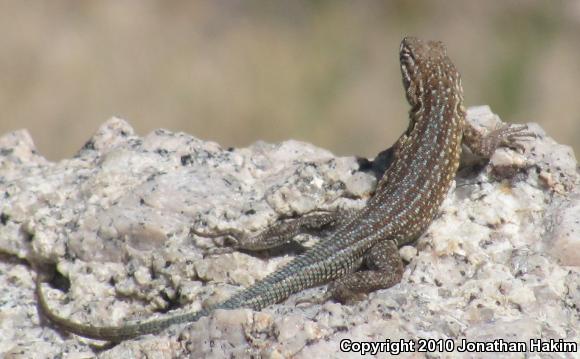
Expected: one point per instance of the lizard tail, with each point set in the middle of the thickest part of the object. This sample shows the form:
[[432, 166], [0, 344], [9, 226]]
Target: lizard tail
[[113, 333]]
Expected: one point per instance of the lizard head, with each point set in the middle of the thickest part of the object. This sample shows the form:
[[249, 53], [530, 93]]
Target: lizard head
[[426, 67]]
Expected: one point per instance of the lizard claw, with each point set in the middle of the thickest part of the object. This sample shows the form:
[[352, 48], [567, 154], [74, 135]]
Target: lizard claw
[[338, 294], [315, 299], [508, 135], [232, 239], [220, 250]]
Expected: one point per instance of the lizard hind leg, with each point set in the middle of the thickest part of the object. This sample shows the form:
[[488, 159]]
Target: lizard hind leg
[[281, 232], [384, 270]]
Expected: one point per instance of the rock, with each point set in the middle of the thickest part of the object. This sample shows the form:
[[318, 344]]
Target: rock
[[502, 261]]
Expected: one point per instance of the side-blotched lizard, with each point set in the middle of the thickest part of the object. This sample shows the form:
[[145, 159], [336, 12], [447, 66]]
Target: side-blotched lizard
[[423, 166]]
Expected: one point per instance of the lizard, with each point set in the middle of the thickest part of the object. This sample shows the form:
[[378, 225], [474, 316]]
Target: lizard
[[361, 255]]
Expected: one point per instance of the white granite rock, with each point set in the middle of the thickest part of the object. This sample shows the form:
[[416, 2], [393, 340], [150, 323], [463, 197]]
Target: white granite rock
[[501, 261]]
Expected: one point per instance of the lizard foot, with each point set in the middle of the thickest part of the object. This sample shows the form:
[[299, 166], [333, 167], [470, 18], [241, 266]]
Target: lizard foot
[[232, 239], [315, 299], [508, 135]]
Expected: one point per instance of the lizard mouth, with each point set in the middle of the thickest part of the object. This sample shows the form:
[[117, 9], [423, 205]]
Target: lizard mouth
[[406, 65], [408, 61], [409, 69]]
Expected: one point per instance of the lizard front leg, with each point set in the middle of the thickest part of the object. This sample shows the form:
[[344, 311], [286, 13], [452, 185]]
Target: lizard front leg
[[485, 145]]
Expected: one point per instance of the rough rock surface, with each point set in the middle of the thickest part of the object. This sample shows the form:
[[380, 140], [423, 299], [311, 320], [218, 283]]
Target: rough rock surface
[[501, 261]]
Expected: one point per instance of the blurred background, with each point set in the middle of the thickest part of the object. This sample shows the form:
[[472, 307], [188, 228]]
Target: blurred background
[[235, 72]]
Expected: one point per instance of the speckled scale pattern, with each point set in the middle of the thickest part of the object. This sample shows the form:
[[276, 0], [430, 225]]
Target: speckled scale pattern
[[407, 198]]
